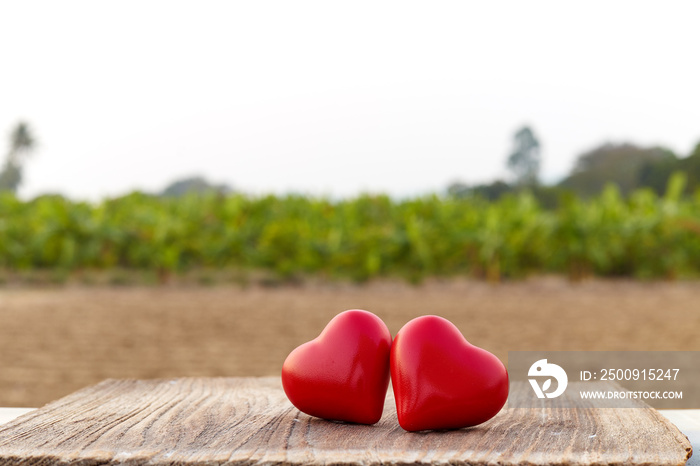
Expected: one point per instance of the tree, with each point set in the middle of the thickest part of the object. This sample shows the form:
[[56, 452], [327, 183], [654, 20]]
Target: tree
[[656, 173], [524, 161], [195, 184], [491, 191], [691, 166], [628, 166], [21, 144]]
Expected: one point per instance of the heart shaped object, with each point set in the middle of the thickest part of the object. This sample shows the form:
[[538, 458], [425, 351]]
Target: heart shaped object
[[440, 380], [343, 374]]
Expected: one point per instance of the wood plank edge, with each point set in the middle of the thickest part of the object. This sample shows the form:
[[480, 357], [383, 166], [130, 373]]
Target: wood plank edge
[[679, 436]]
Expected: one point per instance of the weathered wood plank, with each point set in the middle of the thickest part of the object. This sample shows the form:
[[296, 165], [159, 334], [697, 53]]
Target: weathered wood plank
[[688, 422], [249, 420]]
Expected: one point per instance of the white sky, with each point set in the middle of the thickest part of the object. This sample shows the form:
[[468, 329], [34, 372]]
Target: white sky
[[337, 97]]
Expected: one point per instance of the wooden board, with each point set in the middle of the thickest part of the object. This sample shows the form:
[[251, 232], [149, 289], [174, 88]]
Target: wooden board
[[249, 420]]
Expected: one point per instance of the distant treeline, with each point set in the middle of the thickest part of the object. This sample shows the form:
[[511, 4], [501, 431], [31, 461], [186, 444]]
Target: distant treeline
[[640, 235], [628, 166]]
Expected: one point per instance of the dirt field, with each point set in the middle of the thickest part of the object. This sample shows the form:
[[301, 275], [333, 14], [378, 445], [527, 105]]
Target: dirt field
[[54, 341]]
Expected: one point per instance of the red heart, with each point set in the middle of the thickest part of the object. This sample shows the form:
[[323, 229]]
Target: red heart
[[343, 374], [440, 380]]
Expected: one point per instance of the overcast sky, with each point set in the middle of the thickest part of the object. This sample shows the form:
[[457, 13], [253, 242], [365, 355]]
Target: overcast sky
[[333, 97]]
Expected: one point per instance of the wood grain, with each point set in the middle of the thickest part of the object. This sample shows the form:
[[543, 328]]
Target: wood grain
[[198, 421]]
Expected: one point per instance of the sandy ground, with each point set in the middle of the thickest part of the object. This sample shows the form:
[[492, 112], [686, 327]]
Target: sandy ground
[[54, 341]]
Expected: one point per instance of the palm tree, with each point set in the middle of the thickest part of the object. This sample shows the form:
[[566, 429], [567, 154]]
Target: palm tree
[[21, 144]]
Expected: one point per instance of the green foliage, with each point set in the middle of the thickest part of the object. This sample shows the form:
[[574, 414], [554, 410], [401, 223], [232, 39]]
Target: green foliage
[[547, 196], [628, 166], [643, 235], [491, 191], [691, 166]]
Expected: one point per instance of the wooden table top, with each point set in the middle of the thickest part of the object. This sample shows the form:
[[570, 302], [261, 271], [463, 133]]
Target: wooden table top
[[237, 420]]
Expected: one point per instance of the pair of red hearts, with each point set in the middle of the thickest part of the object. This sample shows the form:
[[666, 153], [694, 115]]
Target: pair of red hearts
[[440, 380]]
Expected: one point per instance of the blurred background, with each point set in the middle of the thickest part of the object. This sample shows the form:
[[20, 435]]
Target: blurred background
[[196, 189]]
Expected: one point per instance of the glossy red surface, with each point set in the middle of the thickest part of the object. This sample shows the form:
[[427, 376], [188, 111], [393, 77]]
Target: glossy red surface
[[440, 380], [343, 374]]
